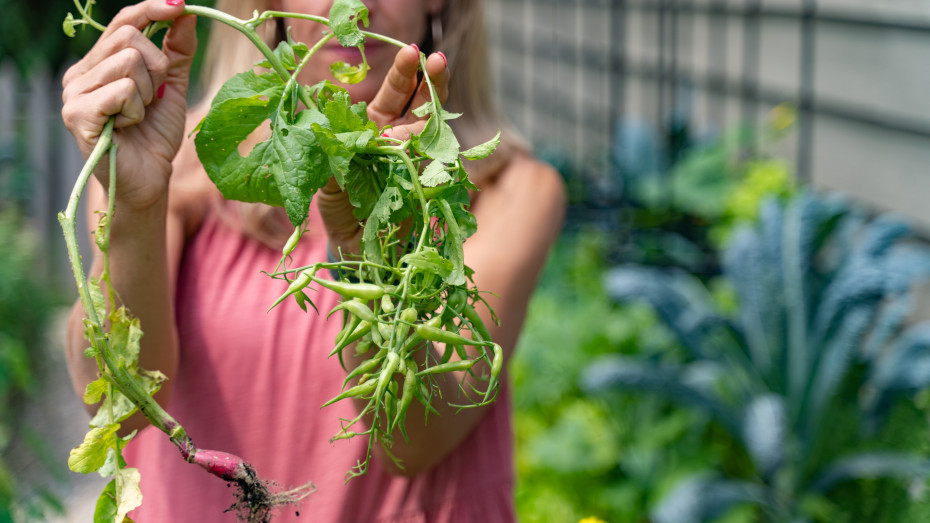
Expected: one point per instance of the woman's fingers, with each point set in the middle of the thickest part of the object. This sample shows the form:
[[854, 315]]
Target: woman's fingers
[[179, 46], [125, 31], [437, 68], [125, 72], [144, 13], [127, 63], [398, 86]]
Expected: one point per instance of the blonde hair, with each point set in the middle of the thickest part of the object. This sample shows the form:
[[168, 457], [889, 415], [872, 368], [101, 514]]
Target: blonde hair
[[463, 42]]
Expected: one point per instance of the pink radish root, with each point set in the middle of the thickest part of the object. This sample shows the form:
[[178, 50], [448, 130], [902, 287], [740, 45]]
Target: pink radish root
[[256, 499]]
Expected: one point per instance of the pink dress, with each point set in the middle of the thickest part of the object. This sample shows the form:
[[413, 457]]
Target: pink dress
[[251, 383]]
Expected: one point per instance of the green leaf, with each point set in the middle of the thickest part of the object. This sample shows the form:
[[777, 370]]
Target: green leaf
[[344, 116], [429, 260], [356, 141], [125, 335], [92, 453], [105, 511], [241, 105], [390, 200], [429, 108], [437, 141], [344, 17], [68, 25], [109, 467], [452, 246], [130, 494], [349, 74], [299, 168], [484, 150], [435, 174], [96, 297], [363, 189], [95, 391], [871, 465], [702, 498], [119, 405]]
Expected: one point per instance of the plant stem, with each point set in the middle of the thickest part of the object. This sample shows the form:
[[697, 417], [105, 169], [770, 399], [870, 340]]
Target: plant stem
[[85, 16], [121, 378]]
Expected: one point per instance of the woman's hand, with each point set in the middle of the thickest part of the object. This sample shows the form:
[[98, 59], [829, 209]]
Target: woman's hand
[[126, 75], [387, 109]]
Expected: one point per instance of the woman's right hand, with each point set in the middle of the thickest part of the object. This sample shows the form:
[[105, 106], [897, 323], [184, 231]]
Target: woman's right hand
[[126, 75]]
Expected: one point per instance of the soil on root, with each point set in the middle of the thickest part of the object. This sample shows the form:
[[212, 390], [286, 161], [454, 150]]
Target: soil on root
[[258, 500]]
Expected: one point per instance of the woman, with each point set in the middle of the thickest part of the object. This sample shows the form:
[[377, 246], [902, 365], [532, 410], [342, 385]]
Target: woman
[[188, 263]]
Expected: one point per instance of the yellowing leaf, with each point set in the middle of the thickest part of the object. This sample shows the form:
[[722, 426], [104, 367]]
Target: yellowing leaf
[[68, 25], [95, 391], [92, 453], [130, 494], [349, 74]]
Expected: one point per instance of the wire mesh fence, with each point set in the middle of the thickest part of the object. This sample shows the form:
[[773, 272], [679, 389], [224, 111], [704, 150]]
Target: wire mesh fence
[[577, 75]]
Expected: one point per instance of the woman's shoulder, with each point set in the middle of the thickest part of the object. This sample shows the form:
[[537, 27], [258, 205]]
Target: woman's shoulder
[[527, 175], [191, 193]]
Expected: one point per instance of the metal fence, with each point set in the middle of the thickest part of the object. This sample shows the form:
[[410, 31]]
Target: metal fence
[[570, 71]]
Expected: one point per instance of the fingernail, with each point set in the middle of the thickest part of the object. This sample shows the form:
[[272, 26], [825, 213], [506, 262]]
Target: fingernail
[[444, 59], [174, 2], [161, 88], [415, 46]]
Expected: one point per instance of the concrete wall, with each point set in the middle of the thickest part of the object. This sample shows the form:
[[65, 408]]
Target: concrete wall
[[869, 133]]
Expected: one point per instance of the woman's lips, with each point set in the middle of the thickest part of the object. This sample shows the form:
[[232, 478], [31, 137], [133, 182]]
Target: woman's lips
[[352, 54]]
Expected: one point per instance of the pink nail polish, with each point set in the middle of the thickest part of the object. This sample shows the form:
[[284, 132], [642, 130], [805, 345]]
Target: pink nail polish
[[415, 46], [174, 2], [161, 91], [444, 59]]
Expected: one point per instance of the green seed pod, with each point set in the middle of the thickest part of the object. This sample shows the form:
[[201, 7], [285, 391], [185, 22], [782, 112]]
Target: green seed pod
[[452, 366], [497, 364], [409, 315], [301, 281], [387, 305], [364, 367], [457, 299], [291, 243], [410, 384], [387, 370], [357, 308], [428, 332], [361, 328], [376, 335], [387, 331], [363, 291], [363, 345], [477, 325], [390, 401], [360, 390]]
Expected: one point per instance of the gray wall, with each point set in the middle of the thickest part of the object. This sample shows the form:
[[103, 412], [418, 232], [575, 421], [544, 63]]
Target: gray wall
[[567, 69]]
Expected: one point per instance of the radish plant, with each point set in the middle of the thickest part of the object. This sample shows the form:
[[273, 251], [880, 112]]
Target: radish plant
[[405, 289]]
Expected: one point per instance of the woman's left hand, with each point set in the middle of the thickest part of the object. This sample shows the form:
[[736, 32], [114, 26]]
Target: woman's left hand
[[387, 109]]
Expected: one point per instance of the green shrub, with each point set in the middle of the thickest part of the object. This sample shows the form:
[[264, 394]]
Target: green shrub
[[809, 380]]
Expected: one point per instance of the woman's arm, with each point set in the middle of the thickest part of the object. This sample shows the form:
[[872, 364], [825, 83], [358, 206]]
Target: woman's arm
[[125, 75]]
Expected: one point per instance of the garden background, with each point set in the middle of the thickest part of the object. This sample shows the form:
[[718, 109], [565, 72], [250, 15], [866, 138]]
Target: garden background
[[732, 326]]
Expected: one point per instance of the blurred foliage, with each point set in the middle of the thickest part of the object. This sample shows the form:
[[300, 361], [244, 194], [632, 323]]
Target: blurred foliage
[[719, 437], [810, 380], [672, 198], [31, 33], [24, 314]]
